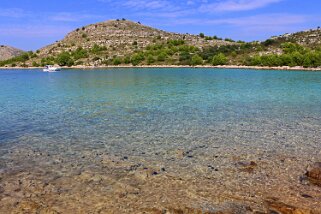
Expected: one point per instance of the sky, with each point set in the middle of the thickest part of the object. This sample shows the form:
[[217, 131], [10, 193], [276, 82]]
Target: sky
[[32, 24]]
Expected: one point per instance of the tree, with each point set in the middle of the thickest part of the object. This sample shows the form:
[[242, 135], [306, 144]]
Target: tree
[[297, 58], [255, 61], [268, 42], [162, 57], [96, 49], [79, 53], [175, 42], [202, 35], [64, 59], [117, 61], [35, 64], [150, 59], [196, 60], [219, 59], [229, 40], [271, 60], [289, 47], [127, 60], [184, 58], [137, 58]]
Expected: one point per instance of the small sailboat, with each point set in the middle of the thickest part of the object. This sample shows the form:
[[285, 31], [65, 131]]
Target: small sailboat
[[51, 68]]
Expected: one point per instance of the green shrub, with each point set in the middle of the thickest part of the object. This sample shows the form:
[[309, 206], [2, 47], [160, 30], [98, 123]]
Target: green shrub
[[64, 59], [137, 58], [289, 47], [150, 59], [229, 40], [196, 60], [117, 61], [175, 42], [127, 60], [219, 59], [18, 59], [35, 64], [184, 58], [79, 53], [162, 57]]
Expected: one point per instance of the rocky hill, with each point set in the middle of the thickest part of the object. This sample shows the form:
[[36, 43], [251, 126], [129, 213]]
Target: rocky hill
[[7, 52], [309, 38], [122, 42], [118, 36]]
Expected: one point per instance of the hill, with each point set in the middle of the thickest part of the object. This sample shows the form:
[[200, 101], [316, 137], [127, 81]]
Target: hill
[[309, 38], [122, 42], [95, 44], [7, 52]]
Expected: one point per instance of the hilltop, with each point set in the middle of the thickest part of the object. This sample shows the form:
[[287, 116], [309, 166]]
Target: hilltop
[[123, 42], [7, 52], [309, 38]]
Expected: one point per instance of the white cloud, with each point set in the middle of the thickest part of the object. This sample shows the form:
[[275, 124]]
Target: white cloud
[[72, 17], [12, 13], [34, 31], [236, 5], [249, 21], [145, 4]]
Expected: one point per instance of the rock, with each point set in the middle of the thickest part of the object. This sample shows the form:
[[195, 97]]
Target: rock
[[314, 174], [306, 196], [180, 154], [247, 166], [277, 207]]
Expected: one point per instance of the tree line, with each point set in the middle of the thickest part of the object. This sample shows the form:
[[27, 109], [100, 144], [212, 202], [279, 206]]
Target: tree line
[[177, 52]]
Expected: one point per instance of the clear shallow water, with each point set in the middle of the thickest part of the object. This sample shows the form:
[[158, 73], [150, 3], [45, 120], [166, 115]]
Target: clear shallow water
[[75, 139], [91, 105]]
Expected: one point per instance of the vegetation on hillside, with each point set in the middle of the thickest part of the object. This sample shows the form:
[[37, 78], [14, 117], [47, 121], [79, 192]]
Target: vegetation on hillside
[[293, 55], [88, 46], [176, 52], [21, 59]]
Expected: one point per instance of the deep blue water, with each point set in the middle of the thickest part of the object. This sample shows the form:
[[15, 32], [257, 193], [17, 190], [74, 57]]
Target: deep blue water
[[121, 107]]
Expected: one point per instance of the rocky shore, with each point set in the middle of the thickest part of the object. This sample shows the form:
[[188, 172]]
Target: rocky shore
[[288, 68], [52, 178]]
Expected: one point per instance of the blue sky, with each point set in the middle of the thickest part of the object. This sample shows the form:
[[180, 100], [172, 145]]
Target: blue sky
[[31, 24]]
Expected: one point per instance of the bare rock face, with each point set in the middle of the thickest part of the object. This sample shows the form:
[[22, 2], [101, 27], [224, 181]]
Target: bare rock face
[[7, 52], [314, 174]]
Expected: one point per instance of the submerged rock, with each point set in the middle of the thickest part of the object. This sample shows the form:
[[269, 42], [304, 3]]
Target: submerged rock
[[277, 207], [247, 166], [314, 174]]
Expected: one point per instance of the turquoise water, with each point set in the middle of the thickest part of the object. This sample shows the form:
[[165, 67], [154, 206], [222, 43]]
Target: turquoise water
[[133, 110], [123, 140]]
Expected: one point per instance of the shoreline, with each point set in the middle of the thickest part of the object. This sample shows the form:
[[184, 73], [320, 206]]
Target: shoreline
[[283, 68]]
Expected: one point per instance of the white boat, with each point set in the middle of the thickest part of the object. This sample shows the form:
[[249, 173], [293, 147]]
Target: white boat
[[51, 68]]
